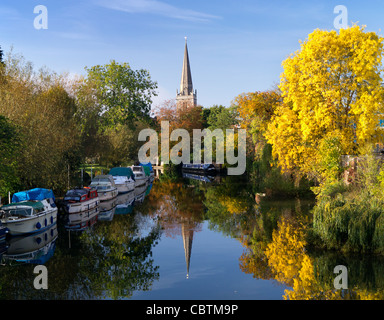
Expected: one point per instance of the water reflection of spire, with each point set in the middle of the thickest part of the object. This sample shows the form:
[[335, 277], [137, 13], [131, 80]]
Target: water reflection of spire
[[187, 233]]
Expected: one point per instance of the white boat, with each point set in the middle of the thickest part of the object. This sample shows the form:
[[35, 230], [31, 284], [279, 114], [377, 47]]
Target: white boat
[[141, 177], [78, 218], [124, 179], [81, 199], [30, 212], [105, 186]]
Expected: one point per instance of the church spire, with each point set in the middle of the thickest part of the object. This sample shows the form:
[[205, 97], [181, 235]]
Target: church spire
[[186, 86], [186, 94]]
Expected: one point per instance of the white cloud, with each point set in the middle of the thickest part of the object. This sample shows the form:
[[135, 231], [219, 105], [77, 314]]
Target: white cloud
[[156, 7]]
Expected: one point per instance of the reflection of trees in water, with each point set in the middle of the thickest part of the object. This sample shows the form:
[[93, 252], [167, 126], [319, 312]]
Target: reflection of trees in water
[[274, 234], [177, 207], [123, 264], [286, 259], [107, 261]]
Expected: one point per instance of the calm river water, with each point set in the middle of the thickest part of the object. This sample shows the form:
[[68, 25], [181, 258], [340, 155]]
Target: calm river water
[[189, 239]]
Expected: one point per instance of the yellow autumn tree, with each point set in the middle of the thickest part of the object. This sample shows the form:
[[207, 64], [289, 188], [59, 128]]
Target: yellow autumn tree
[[255, 110], [332, 86]]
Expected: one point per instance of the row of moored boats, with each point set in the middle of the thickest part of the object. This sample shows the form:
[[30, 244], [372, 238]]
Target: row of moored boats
[[35, 210]]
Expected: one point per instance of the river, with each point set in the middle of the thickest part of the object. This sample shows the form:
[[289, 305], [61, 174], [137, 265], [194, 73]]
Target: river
[[187, 239]]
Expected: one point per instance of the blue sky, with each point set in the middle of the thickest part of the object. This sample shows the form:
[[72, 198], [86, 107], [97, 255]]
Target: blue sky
[[234, 46]]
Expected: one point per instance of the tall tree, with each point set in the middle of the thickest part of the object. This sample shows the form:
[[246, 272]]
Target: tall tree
[[221, 117], [332, 87], [123, 94], [10, 148]]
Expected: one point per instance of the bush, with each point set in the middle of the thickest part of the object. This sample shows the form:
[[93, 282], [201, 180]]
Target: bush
[[353, 224]]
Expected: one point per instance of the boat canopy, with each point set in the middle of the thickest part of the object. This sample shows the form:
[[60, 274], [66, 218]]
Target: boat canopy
[[33, 194], [122, 171], [39, 206]]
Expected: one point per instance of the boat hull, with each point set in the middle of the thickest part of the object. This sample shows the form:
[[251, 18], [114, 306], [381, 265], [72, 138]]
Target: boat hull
[[125, 187], [140, 182], [82, 206], [34, 224], [106, 195]]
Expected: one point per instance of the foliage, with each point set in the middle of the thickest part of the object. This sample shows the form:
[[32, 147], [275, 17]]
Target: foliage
[[10, 148], [122, 94], [350, 218], [63, 121], [41, 108], [256, 110], [180, 117], [222, 118], [331, 87]]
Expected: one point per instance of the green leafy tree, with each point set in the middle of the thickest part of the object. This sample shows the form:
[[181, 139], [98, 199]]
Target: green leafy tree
[[221, 117], [9, 146], [122, 94]]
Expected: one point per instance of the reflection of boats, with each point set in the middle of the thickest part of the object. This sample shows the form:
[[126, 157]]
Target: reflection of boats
[[124, 203], [77, 200], [79, 217], [124, 179], [86, 222], [140, 193], [199, 177], [3, 232], [35, 248], [207, 168], [105, 186], [141, 175], [30, 211], [107, 210]]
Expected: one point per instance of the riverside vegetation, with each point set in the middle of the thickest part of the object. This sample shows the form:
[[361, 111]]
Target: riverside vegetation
[[326, 105]]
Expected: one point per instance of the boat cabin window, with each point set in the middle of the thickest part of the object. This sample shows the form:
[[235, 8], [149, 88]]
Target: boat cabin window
[[83, 198], [103, 187], [72, 198], [101, 184], [24, 212]]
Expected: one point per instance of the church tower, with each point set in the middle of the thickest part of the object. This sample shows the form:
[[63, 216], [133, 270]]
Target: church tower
[[186, 96]]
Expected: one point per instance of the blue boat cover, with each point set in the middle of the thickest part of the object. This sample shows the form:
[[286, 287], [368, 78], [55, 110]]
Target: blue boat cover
[[33, 194], [147, 165]]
